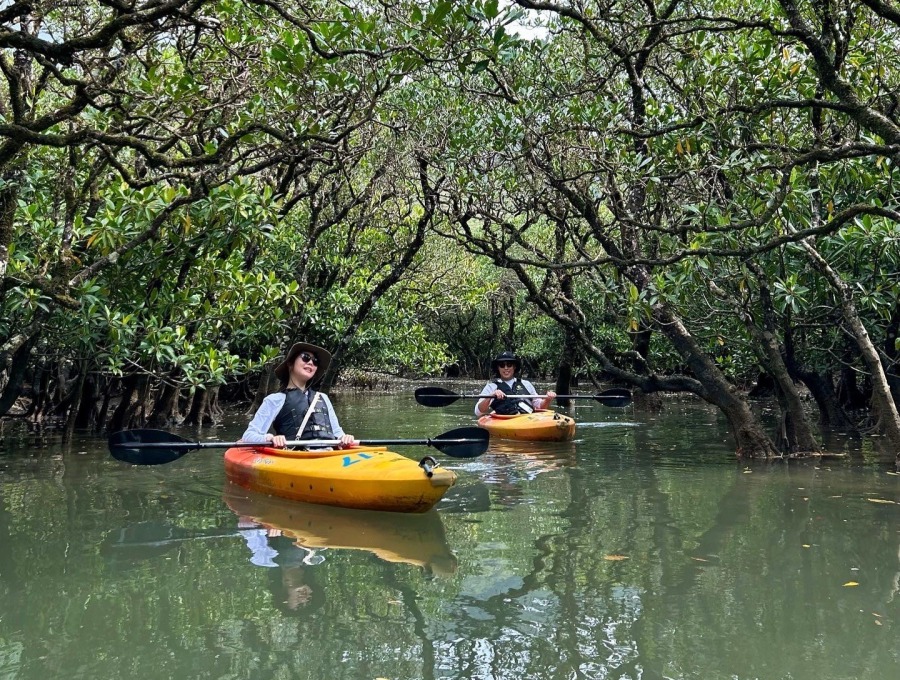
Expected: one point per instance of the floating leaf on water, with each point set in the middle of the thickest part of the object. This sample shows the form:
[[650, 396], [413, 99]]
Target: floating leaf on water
[[850, 584], [615, 558]]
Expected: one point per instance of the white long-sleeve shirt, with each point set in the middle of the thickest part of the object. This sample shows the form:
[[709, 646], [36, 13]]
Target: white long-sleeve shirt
[[262, 554], [264, 417], [491, 387]]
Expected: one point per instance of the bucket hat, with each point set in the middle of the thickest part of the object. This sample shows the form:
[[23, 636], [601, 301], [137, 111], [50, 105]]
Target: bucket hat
[[324, 356]]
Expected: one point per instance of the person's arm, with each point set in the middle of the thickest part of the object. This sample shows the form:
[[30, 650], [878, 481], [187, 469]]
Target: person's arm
[[346, 439], [257, 431], [483, 406], [539, 402]]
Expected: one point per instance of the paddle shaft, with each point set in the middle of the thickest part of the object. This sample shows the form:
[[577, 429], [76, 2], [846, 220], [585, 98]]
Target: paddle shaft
[[542, 396], [165, 542], [524, 396], [188, 445], [439, 397]]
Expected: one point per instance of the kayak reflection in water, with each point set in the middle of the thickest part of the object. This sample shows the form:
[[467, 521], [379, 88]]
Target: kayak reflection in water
[[262, 544], [417, 539], [507, 382], [297, 411]]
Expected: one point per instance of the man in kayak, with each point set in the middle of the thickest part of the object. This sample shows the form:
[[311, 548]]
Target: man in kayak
[[506, 368], [297, 411]]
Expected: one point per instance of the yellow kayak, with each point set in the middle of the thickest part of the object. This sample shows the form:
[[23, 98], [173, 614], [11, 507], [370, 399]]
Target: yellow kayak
[[540, 426], [412, 539], [366, 477]]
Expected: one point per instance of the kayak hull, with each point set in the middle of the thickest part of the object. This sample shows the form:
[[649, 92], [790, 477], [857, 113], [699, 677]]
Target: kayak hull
[[540, 426], [369, 478]]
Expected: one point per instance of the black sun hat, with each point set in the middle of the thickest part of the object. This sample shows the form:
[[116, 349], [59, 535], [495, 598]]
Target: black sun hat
[[506, 356], [324, 356]]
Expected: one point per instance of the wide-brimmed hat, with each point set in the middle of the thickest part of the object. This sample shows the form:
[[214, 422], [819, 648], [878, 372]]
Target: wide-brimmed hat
[[282, 369], [506, 356]]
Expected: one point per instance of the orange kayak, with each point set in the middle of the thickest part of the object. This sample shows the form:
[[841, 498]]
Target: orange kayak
[[417, 539], [540, 426], [366, 477]]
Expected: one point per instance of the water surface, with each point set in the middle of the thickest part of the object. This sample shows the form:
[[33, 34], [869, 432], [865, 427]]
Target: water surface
[[641, 550]]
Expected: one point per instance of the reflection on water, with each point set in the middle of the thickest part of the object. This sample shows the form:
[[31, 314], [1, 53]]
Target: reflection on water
[[640, 550], [470, 496], [149, 540], [605, 423], [561, 452], [509, 465], [416, 539]]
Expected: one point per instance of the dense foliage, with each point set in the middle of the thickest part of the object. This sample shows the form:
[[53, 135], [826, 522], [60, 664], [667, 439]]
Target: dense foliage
[[680, 196]]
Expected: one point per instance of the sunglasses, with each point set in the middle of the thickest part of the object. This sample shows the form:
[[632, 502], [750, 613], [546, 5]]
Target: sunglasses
[[505, 364], [308, 358]]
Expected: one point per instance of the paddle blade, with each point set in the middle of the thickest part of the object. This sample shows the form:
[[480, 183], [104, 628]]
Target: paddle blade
[[435, 396], [614, 398], [148, 447], [463, 442]]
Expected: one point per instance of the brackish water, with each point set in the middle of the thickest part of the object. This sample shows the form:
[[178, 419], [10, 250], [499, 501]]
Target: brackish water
[[641, 550]]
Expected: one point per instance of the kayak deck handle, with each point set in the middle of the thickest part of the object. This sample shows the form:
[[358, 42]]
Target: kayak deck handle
[[428, 464]]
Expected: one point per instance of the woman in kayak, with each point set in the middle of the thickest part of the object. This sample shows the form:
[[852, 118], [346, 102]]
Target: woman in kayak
[[506, 367], [297, 411]]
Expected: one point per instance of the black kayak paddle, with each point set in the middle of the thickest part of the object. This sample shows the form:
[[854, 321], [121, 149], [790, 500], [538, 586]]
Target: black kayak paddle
[[616, 397], [156, 447]]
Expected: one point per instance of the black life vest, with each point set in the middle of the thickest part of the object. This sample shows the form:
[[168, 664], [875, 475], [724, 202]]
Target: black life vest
[[292, 413], [509, 407]]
